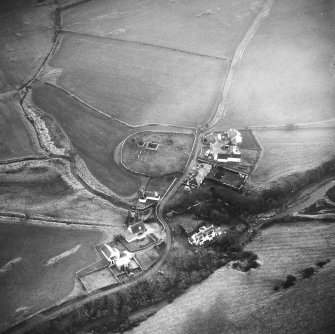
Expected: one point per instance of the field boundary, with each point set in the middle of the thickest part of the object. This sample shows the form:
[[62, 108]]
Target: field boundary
[[158, 131], [76, 98], [69, 31]]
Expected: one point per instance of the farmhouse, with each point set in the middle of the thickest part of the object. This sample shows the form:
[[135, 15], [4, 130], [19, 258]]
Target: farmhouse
[[137, 228], [121, 260], [204, 234], [134, 224], [233, 136]]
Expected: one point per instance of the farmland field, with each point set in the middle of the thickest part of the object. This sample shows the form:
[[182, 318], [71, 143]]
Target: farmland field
[[93, 136], [230, 301], [32, 284], [15, 139], [171, 155], [287, 71], [212, 27], [139, 84], [46, 189], [289, 151], [161, 183], [26, 37]]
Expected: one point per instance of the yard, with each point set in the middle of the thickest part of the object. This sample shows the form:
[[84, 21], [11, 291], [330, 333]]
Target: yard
[[286, 74], [284, 151], [27, 32], [139, 84], [16, 141], [98, 279], [94, 136], [147, 258], [212, 27], [170, 156]]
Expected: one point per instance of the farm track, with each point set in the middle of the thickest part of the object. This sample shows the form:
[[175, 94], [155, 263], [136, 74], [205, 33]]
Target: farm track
[[216, 122], [141, 43]]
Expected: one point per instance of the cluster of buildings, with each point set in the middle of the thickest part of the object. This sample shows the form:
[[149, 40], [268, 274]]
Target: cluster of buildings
[[197, 176], [121, 259], [205, 234], [225, 147], [149, 195], [219, 148]]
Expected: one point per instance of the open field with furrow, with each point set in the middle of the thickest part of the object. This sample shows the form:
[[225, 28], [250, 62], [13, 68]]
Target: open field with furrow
[[48, 189], [284, 151], [287, 71], [212, 27], [139, 84], [230, 301], [31, 284], [26, 37], [17, 139], [93, 135]]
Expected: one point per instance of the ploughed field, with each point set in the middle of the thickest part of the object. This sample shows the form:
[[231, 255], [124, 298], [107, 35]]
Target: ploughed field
[[287, 73], [234, 302], [139, 84], [38, 266], [286, 151], [16, 138], [212, 27]]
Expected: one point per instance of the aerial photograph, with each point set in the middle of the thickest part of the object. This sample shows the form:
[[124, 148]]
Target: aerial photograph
[[167, 166]]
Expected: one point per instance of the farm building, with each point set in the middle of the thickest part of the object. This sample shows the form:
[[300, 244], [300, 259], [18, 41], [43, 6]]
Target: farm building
[[234, 136], [204, 234], [121, 260], [197, 176], [137, 228], [224, 148], [149, 195], [134, 224]]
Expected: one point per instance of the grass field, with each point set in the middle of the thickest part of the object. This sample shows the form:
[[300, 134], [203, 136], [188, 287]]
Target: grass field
[[48, 189], [93, 136], [26, 37], [212, 27], [15, 139], [287, 72], [230, 301], [139, 84], [170, 157], [30, 283], [161, 183], [289, 151]]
